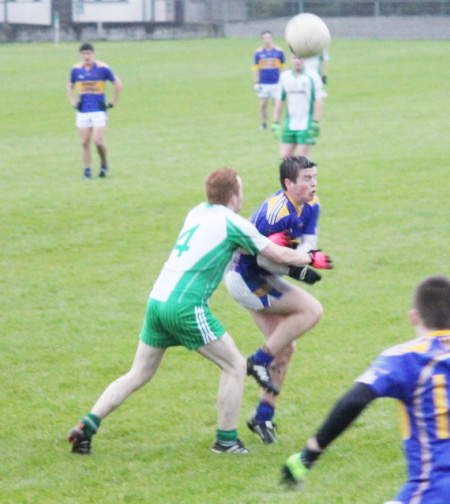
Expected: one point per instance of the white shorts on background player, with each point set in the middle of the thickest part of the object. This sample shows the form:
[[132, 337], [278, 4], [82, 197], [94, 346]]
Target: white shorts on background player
[[91, 119], [267, 91]]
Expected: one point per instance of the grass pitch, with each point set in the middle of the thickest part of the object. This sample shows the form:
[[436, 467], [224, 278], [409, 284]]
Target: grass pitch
[[79, 258]]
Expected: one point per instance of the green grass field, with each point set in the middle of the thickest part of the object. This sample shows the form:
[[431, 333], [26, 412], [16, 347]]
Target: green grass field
[[79, 258]]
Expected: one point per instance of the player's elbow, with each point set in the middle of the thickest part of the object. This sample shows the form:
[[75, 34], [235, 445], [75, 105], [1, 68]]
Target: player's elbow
[[118, 84]]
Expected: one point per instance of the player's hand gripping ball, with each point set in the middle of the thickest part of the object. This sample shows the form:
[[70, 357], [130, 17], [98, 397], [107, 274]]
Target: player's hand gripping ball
[[282, 239], [307, 35], [320, 260]]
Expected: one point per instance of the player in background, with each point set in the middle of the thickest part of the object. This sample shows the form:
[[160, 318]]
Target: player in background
[[304, 96], [178, 314], [86, 91], [318, 64], [268, 63], [282, 311], [417, 374]]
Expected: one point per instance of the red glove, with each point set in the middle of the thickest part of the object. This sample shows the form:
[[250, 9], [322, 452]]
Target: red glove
[[320, 260], [282, 239]]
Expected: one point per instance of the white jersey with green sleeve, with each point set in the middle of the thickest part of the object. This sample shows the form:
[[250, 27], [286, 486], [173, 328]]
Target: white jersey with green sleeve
[[205, 245], [299, 91], [314, 63]]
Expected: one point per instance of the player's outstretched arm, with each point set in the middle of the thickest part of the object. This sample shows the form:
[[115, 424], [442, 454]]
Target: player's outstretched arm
[[347, 409], [301, 273], [285, 255], [292, 257]]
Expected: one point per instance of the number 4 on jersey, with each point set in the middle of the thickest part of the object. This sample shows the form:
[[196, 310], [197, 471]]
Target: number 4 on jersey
[[183, 240]]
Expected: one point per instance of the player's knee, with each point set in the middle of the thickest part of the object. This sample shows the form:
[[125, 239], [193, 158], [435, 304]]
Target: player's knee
[[140, 375], [316, 312], [239, 367]]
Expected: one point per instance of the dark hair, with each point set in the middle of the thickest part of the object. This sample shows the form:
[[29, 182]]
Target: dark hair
[[432, 301], [221, 185], [291, 166], [86, 46], [266, 31]]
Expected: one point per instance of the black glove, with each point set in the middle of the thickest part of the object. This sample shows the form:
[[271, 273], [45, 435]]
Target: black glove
[[324, 79], [304, 274], [103, 106], [77, 106]]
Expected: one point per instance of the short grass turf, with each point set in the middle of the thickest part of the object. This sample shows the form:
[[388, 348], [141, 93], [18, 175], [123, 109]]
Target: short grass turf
[[79, 258]]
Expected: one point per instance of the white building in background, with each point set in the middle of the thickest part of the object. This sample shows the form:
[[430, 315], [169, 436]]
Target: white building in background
[[26, 12], [42, 12], [127, 11]]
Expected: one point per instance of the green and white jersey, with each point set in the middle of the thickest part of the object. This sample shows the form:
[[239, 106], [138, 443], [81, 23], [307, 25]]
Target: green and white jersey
[[205, 245], [299, 91], [314, 63]]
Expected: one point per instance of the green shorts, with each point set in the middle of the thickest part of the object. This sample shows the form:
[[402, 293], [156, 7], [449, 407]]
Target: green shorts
[[299, 137], [171, 324]]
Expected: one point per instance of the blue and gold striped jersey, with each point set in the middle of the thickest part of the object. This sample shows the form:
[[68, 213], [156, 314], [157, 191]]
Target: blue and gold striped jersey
[[269, 62], [417, 373], [280, 213], [91, 84]]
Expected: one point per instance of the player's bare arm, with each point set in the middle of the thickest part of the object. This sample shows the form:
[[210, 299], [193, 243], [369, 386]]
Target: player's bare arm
[[71, 94], [285, 255], [277, 109], [318, 109], [117, 89]]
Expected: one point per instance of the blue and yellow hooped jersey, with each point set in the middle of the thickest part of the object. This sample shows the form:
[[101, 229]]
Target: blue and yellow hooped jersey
[[90, 84], [269, 63], [280, 213], [417, 373]]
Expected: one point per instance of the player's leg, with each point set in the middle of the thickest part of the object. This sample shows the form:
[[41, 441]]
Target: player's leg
[[286, 318], [99, 140], [85, 137], [300, 310], [288, 143], [224, 353], [304, 143], [287, 149], [263, 105], [260, 421], [146, 362], [267, 323], [303, 150]]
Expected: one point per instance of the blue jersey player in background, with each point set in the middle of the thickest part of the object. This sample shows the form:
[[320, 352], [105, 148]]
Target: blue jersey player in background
[[416, 373], [86, 90], [282, 311], [267, 64]]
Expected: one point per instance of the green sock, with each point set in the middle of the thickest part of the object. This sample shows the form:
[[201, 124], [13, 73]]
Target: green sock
[[92, 424], [227, 436]]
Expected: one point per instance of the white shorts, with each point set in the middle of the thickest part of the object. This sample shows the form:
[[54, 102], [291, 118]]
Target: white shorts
[[257, 299], [91, 119], [267, 91]]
